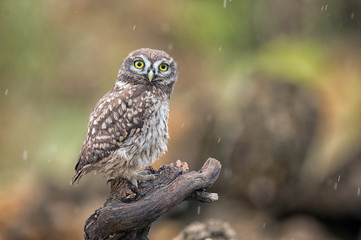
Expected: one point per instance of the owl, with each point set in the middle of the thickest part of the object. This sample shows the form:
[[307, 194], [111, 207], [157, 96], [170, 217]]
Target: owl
[[128, 128]]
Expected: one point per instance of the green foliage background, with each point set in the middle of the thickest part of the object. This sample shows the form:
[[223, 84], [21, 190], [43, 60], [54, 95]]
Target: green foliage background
[[57, 58]]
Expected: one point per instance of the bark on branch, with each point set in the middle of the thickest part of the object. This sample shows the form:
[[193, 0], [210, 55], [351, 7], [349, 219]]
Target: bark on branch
[[128, 213]]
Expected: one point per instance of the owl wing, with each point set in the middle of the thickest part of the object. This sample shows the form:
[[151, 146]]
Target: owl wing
[[116, 117]]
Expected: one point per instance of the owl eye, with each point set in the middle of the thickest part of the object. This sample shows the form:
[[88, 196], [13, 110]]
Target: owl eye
[[163, 67], [139, 64]]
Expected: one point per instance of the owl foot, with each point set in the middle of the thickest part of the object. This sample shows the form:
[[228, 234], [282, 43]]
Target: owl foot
[[141, 177], [110, 180]]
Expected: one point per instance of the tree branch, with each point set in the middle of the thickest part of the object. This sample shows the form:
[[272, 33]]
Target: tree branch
[[128, 212]]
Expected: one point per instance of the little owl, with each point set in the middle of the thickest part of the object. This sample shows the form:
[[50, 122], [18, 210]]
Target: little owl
[[128, 129]]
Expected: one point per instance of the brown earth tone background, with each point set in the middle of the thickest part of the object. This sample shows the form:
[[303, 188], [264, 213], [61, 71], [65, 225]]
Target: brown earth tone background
[[272, 89]]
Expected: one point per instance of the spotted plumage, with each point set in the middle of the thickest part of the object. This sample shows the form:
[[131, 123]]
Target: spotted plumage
[[128, 129]]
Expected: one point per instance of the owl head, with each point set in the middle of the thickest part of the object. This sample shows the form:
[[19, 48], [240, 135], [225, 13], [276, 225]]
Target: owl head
[[149, 67]]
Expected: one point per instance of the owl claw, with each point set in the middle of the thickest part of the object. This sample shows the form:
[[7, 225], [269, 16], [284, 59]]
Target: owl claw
[[134, 183], [145, 177], [110, 180], [142, 177]]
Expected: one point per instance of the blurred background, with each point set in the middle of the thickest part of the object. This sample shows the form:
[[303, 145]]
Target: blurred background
[[272, 89]]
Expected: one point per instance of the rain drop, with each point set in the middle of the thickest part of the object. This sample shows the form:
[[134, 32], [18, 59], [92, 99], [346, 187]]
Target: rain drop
[[198, 210], [228, 172], [326, 7], [6, 92], [25, 155], [358, 191], [339, 178], [352, 15], [264, 225], [219, 139], [220, 49], [224, 3], [134, 27], [182, 126], [76, 209], [170, 47], [335, 185], [209, 117], [165, 27]]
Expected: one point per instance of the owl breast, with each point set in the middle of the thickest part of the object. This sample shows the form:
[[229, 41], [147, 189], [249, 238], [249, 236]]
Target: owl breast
[[143, 148], [147, 146]]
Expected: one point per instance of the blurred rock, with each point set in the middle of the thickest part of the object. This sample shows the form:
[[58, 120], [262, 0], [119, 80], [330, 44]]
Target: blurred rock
[[303, 228], [277, 126], [32, 209], [336, 200], [339, 194], [213, 229]]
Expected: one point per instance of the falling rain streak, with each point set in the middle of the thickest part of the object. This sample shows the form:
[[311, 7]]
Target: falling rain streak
[[6, 92], [170, 47], [25, 155], [225, 3], [324, 7]]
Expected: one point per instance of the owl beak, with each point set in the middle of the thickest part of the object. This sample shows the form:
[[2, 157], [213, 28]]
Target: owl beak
[[150, 75]]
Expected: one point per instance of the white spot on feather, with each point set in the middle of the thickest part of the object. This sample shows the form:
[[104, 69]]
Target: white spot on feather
[[123, 107], [132, 132], [108, 120], [116, 116]]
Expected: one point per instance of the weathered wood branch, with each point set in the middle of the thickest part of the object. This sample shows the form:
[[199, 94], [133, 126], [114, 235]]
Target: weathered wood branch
[[128, 212]]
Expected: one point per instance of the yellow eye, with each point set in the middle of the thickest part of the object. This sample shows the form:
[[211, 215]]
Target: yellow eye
[[163, 67], [139, 64]]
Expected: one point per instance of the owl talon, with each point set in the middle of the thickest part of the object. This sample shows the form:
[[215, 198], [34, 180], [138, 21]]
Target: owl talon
[[110, 180], [141, 177], [134, 183], [144, 172], [145, 177]]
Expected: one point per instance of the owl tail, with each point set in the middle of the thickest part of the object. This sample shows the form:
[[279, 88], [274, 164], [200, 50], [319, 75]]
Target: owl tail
[[79, 173], [76, 177]]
